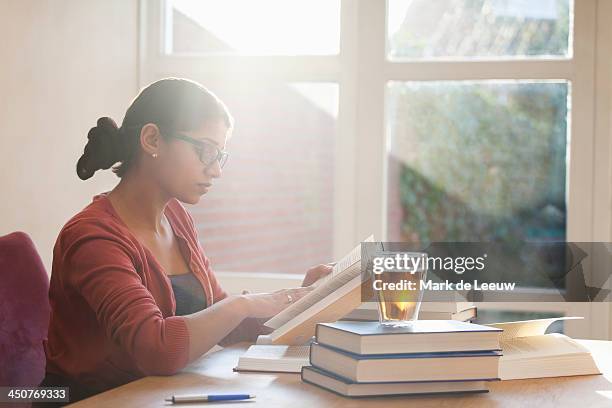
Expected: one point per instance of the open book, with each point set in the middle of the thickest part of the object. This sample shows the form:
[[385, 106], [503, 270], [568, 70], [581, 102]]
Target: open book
[[529, 353], [333, 297]]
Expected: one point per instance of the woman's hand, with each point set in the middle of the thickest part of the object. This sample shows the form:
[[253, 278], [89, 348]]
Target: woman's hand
[[264, 305], [317, 272]]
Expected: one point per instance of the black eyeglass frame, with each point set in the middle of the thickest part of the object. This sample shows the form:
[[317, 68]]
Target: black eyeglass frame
[[221, 155]]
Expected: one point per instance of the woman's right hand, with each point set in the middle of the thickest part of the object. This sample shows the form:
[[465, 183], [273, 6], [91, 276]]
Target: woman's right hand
[[264, 305]]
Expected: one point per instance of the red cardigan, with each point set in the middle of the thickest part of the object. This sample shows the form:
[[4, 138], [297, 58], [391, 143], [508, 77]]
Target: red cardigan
[[112, 306]]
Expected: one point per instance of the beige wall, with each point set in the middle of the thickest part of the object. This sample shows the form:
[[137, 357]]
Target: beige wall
[[64, 64]]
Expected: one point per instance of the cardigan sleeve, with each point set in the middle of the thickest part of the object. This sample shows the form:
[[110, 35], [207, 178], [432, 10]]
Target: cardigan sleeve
[[102, 271]]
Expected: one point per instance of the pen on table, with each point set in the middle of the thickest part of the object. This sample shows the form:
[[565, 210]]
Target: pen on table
[[208, 398]]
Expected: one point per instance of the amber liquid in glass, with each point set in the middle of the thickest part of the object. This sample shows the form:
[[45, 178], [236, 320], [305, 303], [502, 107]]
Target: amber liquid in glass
[[397, 306]]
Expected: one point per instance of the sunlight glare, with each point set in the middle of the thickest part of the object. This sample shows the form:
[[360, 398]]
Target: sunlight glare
[[254, 27]]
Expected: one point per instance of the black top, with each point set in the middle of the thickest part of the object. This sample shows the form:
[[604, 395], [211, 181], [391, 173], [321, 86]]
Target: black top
[[188, 293]]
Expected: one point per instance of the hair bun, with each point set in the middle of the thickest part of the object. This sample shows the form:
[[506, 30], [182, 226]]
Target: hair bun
[[102, 150]]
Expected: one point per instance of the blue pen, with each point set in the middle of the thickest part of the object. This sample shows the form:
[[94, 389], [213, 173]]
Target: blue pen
[[208, 398]]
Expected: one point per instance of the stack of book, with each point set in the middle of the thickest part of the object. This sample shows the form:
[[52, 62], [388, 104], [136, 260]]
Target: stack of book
[[360, 359]]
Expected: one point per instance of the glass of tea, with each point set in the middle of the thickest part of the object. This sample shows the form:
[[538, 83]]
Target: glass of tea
[[399, 290]]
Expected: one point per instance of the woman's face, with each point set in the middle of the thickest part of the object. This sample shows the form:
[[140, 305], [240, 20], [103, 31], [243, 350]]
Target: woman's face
[[181, 172]]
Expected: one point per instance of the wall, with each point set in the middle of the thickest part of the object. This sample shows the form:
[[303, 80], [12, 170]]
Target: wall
[[64, 64]]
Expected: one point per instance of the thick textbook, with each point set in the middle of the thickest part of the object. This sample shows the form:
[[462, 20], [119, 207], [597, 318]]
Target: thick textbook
[[349, 388], [472, 365], [421, 336]]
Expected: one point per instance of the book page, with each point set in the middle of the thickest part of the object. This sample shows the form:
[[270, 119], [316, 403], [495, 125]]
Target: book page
[[318, 294], [343, 272], [350, 259], [526, 328], [344, 264], [278, 352], [545, 345], [301, 328], [274, 358]]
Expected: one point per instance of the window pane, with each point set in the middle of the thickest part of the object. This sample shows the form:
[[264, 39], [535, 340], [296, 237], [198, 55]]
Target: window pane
[[247, 27], [477, 161], [272, 210], [420, 29]]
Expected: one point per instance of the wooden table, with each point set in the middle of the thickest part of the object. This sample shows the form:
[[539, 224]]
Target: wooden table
[[213, 374]]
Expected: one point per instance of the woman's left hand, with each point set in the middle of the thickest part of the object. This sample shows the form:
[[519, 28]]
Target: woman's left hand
[[316, 272]]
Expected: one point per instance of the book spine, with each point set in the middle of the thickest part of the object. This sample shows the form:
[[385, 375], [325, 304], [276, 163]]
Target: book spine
[[310, 353]]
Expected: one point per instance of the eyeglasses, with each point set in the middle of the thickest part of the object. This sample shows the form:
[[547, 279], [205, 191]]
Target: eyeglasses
[[207, 151]]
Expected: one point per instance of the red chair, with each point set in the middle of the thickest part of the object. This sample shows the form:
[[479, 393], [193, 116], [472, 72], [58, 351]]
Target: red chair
[[24, 312]]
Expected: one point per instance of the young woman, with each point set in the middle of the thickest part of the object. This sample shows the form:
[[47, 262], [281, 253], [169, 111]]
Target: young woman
[[132, 292]]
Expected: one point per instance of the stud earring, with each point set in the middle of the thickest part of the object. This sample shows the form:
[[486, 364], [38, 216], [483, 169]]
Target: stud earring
[[154, 155]]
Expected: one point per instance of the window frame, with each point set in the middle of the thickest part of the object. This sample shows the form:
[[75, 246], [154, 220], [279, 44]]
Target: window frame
[[362, 72]]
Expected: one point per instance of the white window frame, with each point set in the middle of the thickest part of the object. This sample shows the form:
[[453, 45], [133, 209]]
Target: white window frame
[[362, 71]]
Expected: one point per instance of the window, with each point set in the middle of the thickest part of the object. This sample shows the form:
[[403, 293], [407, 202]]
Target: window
[[477, 160], [408, 119], [482, 153], [246, 27], [421, 29], [273, 209]]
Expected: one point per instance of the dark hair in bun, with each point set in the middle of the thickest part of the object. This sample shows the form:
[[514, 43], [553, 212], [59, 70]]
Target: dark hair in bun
[[173, 104], [103, 148]]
